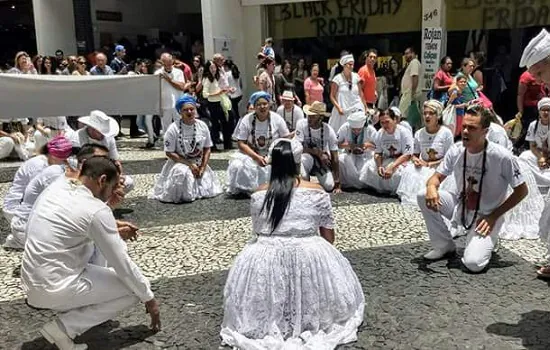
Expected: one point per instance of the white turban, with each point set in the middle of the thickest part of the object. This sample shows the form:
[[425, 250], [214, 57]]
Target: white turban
[[537, 50], [543, 102], [357, 120], [346, 59], [435, 106], [295, 146], [396, 111]]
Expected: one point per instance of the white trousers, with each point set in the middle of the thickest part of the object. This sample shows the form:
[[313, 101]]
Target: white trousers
[[6, 147], [326, 180], [351, 167], [478, 250], [97, 296], [168, 116]]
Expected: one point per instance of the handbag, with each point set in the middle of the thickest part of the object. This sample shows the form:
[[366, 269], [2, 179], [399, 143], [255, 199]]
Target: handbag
[[449, 117], [514, 127]]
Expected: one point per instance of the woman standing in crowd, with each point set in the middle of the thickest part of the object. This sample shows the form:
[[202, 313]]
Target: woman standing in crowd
[[394, 82], [284, 81], [431, 143], [443, 80], [314, 86], [37, 62], [213, 93], [457, 99], [470, 90], [345, 93], [81, 66], [236, 86], [48, 66], [267, 80], [22, 63], [198, 71], [248, 168], [300, 75], [477, 73], [356, 139], [186, 176], [289, 287], [394, 148], [145, 122]]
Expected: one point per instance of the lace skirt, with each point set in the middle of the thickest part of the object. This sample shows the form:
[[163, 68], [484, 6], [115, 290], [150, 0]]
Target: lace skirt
[[523, 220], [244, 175], [351, 168], [413, 180], [291, 293], [371, 178], [176, 184]]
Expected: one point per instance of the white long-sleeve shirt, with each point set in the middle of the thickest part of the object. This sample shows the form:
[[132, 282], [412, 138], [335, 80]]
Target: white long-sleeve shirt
[[66, 224]]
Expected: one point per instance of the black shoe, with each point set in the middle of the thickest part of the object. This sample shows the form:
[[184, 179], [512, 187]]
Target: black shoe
[[148, 145]]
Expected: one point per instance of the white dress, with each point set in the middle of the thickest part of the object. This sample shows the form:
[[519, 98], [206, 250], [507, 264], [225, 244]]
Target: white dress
[[430, 147], [26, 172], [353, 165], [244, 175], [391, 146], [291, 289], [348, 99], [537, 133], [176, 182]]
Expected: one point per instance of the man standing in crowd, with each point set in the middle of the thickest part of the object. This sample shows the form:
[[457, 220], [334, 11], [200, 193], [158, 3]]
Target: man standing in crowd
[[173, 86], [69, 232], [117, 64], [72, 60], [101, 67], [411, 89], [530, 91], [368, 79]]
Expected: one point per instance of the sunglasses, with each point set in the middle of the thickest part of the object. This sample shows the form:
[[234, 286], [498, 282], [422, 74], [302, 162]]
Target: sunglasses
[[81, 62]]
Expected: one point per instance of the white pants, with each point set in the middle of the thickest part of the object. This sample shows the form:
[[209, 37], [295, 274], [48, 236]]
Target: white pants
[[326, 180], [351, 167], [6, 147], [478, 250], [97, 296], [168, 116]]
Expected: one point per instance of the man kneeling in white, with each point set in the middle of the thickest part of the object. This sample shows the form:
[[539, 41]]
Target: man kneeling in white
[[70, 219], [483, 171]]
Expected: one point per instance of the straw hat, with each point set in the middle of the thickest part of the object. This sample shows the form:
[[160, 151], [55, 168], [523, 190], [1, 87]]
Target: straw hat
[[316, 108]]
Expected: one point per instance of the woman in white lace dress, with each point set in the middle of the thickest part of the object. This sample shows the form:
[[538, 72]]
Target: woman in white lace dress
[[186, 175], [290, 288], [248, 168], [430, 145]]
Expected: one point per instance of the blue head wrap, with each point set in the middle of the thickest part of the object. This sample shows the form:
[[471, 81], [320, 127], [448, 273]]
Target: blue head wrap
[[184, 100], [257, 95]]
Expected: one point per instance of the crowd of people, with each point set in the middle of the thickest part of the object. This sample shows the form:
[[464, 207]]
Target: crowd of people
[[289, 287]]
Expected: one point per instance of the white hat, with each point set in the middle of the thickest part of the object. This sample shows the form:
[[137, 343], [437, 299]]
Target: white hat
[[287, 95], [396, 111], [295, 146], [101, 122], [543, 102], [357, 120], [537, 50], [316, 108]]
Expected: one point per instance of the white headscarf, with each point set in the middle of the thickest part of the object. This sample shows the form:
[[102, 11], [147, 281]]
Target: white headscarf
[[543, 102], [295, 146], [537, 50], [346, 59]]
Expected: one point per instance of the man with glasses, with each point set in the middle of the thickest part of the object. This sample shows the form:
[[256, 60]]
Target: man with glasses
[[483, 171]]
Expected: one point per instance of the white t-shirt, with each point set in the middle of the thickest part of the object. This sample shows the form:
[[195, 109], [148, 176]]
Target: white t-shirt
[[311, 138], [26, 172], [63, 231], [345, 135], [498, 135], [406, 124], [433, 147], [396, 144], [502, 170], [413, 69], [234, 83], [291, 118], [81, 137], [57, 123], [169, 94], [194, 139], [264, 132], [540, 136]]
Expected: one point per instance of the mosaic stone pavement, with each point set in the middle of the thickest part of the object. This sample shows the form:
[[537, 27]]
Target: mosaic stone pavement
[[187, 249]]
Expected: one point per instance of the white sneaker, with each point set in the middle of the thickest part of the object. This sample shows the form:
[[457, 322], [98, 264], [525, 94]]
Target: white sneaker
[[436, 254], [55, 335]]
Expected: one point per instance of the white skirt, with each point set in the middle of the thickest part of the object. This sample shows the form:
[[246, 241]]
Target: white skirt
[[291, 293], [176, 184], [371, 178], [542, 177], [244, 175], [351, 168], [413, 180]]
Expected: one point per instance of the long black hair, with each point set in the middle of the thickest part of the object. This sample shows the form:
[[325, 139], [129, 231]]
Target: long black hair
[[284, 172], [207, 74]]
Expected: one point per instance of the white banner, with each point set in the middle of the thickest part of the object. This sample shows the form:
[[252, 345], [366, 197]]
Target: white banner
[[68, 95], [432, 39]]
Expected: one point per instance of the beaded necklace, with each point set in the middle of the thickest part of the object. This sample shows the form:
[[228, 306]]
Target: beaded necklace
[[291, 124], [253, 132], [463, 196], [193, 140], [311, 144]]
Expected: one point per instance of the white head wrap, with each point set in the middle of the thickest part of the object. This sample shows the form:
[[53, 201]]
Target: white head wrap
[[346, 59], [396, 111], [435, 105], [357, 120], [543, 102], [297, 149], [537, 50]]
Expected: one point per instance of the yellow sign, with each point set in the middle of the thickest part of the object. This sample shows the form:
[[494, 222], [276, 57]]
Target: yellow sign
[[496, 14], [344, 18]]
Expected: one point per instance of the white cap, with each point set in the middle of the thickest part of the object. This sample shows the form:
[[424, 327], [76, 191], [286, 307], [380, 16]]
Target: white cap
[[537, 50], [357, 120], [543, 102]]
